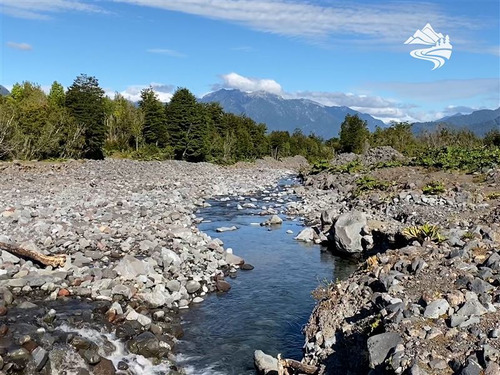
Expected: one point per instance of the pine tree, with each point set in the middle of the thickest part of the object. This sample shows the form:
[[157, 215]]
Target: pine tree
[[154, 131], [354, 134], [85, 102], [187, 126]]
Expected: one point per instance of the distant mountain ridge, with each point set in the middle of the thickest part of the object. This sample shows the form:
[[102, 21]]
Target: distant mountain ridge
[[287, 114], [4, 91], [479, 122]]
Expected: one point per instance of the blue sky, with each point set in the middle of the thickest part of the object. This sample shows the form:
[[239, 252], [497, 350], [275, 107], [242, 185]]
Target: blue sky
[[335, 52]]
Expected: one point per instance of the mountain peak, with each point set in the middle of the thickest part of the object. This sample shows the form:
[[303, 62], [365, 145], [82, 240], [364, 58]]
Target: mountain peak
[[280, 113]]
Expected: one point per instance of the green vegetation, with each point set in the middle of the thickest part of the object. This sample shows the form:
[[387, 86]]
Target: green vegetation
[[434, 188], [468, 236], [493, 196], [473, 159], [354, 166], [426, 232], [368, 183], [83, 122], [354, 135]]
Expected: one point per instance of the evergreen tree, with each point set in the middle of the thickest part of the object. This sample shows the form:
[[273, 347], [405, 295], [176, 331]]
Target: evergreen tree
[[154, 130], [57, 97], [186, 126], [354, 134], [85, 100]]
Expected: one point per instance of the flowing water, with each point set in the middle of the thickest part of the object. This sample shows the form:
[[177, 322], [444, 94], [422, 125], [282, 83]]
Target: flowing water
[[267, 307]]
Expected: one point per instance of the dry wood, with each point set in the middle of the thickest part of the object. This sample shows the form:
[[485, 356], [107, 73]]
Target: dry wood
[[289, 364], [46, 260]]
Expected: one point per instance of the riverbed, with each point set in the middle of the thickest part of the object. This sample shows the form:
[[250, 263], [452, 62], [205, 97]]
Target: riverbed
[[266, 307]]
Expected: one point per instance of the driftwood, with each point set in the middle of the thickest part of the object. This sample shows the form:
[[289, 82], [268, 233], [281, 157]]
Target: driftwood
[[290, 366], [46, 260]]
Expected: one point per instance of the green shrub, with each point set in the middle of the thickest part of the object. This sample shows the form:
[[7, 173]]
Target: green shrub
[[456, 158], [368, 183], [152, 152], [434, 188], [423, 233]]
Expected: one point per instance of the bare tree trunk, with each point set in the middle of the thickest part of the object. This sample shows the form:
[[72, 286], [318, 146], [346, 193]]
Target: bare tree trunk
[[46, 260]]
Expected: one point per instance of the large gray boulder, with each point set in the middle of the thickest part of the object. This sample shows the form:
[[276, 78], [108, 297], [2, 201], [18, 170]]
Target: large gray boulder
[[348, 229], [380, 345], [264, 363]]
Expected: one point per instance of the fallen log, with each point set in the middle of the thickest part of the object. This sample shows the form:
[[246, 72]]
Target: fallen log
[[284, 365], [46, 260]]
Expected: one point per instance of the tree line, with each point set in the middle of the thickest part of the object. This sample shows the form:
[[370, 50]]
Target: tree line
[[81, 122]]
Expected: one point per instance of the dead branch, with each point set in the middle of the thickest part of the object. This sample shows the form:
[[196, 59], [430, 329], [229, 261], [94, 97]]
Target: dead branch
[[46, 260]]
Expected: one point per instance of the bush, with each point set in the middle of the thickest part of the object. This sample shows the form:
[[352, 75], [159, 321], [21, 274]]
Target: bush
[[457, 158], [368, 183], [426, 232], [152, 152], [434, 188]]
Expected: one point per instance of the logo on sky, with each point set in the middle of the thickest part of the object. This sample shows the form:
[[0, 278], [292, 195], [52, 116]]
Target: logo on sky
[[440, 50]]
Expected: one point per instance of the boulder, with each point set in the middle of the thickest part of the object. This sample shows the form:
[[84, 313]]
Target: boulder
[[380, 345], [348, 229], [436, 308], [234, 259], [264, 363], [306, 235]]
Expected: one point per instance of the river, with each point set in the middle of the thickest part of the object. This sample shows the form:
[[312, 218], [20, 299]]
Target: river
[[267, 307]]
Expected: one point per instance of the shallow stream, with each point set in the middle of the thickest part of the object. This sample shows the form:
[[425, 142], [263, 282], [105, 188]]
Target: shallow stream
[[267, 307]]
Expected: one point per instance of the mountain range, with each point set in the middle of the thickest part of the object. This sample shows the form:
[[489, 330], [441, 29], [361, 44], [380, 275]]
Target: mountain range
[[287, 114], [479, 122], [3, 91]]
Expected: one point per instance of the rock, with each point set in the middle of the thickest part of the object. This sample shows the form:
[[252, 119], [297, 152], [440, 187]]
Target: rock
[[273, 220], [173, 285], [380, 345], [436, 308], [197, 300], [129, 268], [193, 286], [146, 344], [471, 307], [104, 367], [222, 285], [19, 357], [27, 305], [226, 229], [306, 235], [264, 363], [234, 259], [348, 229], [90, 356], [247, 267], [40, 357]]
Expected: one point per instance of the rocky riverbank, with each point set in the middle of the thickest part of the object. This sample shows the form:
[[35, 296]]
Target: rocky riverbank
[[428, 302], [134, 257]]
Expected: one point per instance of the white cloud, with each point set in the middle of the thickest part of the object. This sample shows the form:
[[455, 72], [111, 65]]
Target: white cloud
[[236, 81], [133, 93], [20, 46], [450, 89], [169, 52], [388, 23], [41, 9]]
